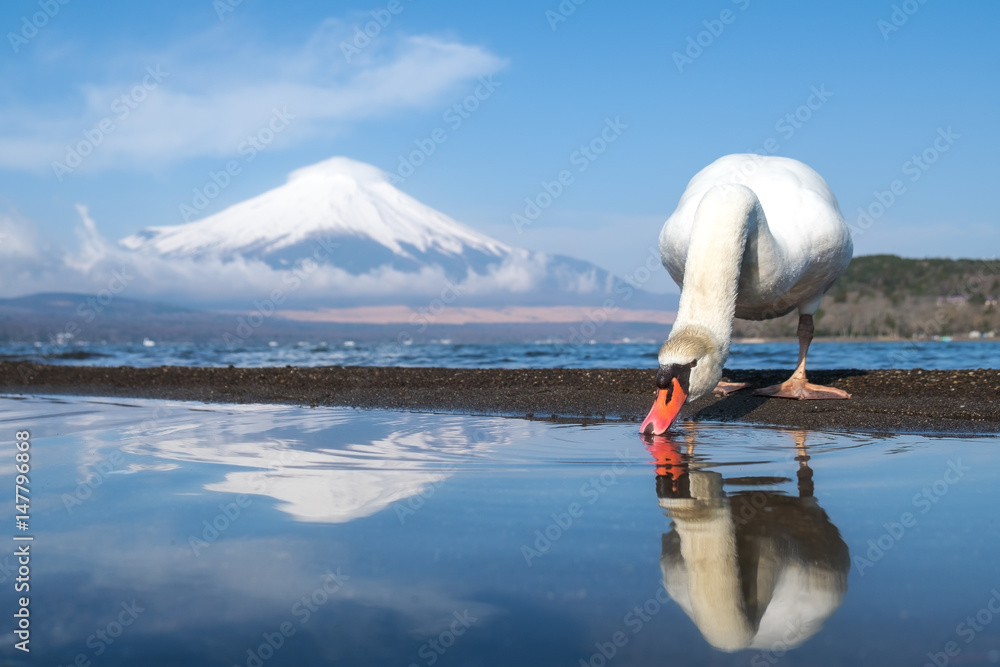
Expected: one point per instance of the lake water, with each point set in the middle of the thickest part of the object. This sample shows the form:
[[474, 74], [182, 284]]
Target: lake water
[[927, 354], [184, 533]]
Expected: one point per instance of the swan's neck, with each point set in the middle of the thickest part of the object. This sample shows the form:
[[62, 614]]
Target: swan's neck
[[709, 549], [725, 219]]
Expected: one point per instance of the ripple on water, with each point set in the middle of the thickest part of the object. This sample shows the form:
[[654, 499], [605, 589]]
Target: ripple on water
[[549, 533]]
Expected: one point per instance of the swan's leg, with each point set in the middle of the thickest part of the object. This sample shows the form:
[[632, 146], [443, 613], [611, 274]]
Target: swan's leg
[[805, 473], [725, 388], [797, 386]]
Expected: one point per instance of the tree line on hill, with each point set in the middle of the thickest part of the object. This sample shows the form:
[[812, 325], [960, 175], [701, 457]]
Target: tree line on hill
[[890, 296]]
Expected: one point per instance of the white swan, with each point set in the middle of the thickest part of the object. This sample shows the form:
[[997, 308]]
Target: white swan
[[753, 237]]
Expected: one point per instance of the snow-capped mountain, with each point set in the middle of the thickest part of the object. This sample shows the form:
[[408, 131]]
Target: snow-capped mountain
[[349, 203], [377, 234]]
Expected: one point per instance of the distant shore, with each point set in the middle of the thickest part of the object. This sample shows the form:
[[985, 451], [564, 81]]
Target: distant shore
[[866, 339], [960, 401]]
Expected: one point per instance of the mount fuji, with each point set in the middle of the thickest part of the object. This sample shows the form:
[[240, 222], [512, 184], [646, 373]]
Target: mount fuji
[[380, 245]]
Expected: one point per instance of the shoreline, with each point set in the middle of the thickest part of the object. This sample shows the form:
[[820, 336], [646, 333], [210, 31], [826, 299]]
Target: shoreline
[[445, 340], [865, 339], [952, 401]]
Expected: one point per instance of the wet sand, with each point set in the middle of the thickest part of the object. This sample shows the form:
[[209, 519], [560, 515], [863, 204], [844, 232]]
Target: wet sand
[[962, 401]]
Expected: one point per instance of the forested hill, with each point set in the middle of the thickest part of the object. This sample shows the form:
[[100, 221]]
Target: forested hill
[[886, 295]]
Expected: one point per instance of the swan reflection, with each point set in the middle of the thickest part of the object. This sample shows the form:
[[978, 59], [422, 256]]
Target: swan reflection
[[753, 568]]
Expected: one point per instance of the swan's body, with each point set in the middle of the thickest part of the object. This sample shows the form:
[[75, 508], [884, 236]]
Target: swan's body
[[791, 259], [753, 237]]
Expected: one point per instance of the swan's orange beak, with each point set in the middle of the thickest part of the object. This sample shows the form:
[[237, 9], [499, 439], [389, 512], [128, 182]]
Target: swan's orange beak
[[665, 409]]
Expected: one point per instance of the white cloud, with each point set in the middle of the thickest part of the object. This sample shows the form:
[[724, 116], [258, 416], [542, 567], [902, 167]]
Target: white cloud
[[17, 240], [199, 99], [627, 246], [96, 265]]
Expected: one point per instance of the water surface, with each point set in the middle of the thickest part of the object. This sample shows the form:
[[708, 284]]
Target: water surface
[[184, 533], [254, 354]]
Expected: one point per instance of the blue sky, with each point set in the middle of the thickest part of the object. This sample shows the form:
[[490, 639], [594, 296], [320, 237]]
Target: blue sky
[[199, 81]]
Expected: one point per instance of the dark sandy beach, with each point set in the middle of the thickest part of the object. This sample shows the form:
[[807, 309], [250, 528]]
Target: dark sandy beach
[[963, 401]]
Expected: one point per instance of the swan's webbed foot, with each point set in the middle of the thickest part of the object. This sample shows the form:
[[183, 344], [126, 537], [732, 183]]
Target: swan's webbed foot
[[726, 388], [801, 389]]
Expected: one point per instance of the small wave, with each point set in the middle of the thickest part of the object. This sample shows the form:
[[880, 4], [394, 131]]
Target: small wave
[[77, 355]]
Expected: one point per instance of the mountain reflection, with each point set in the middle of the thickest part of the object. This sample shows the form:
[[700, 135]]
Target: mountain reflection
[[333, 484], [752, 568]]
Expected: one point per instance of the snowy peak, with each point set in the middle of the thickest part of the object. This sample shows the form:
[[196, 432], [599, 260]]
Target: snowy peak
[[378, 244], [341, 167], [338, 197]]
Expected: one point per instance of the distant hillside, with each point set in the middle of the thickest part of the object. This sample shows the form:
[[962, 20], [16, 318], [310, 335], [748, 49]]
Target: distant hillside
[[896, 278], [878, 296], [65, 318], [886, 295]]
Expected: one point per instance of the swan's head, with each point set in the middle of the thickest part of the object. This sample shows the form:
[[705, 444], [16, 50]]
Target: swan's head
[[690, 367]]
